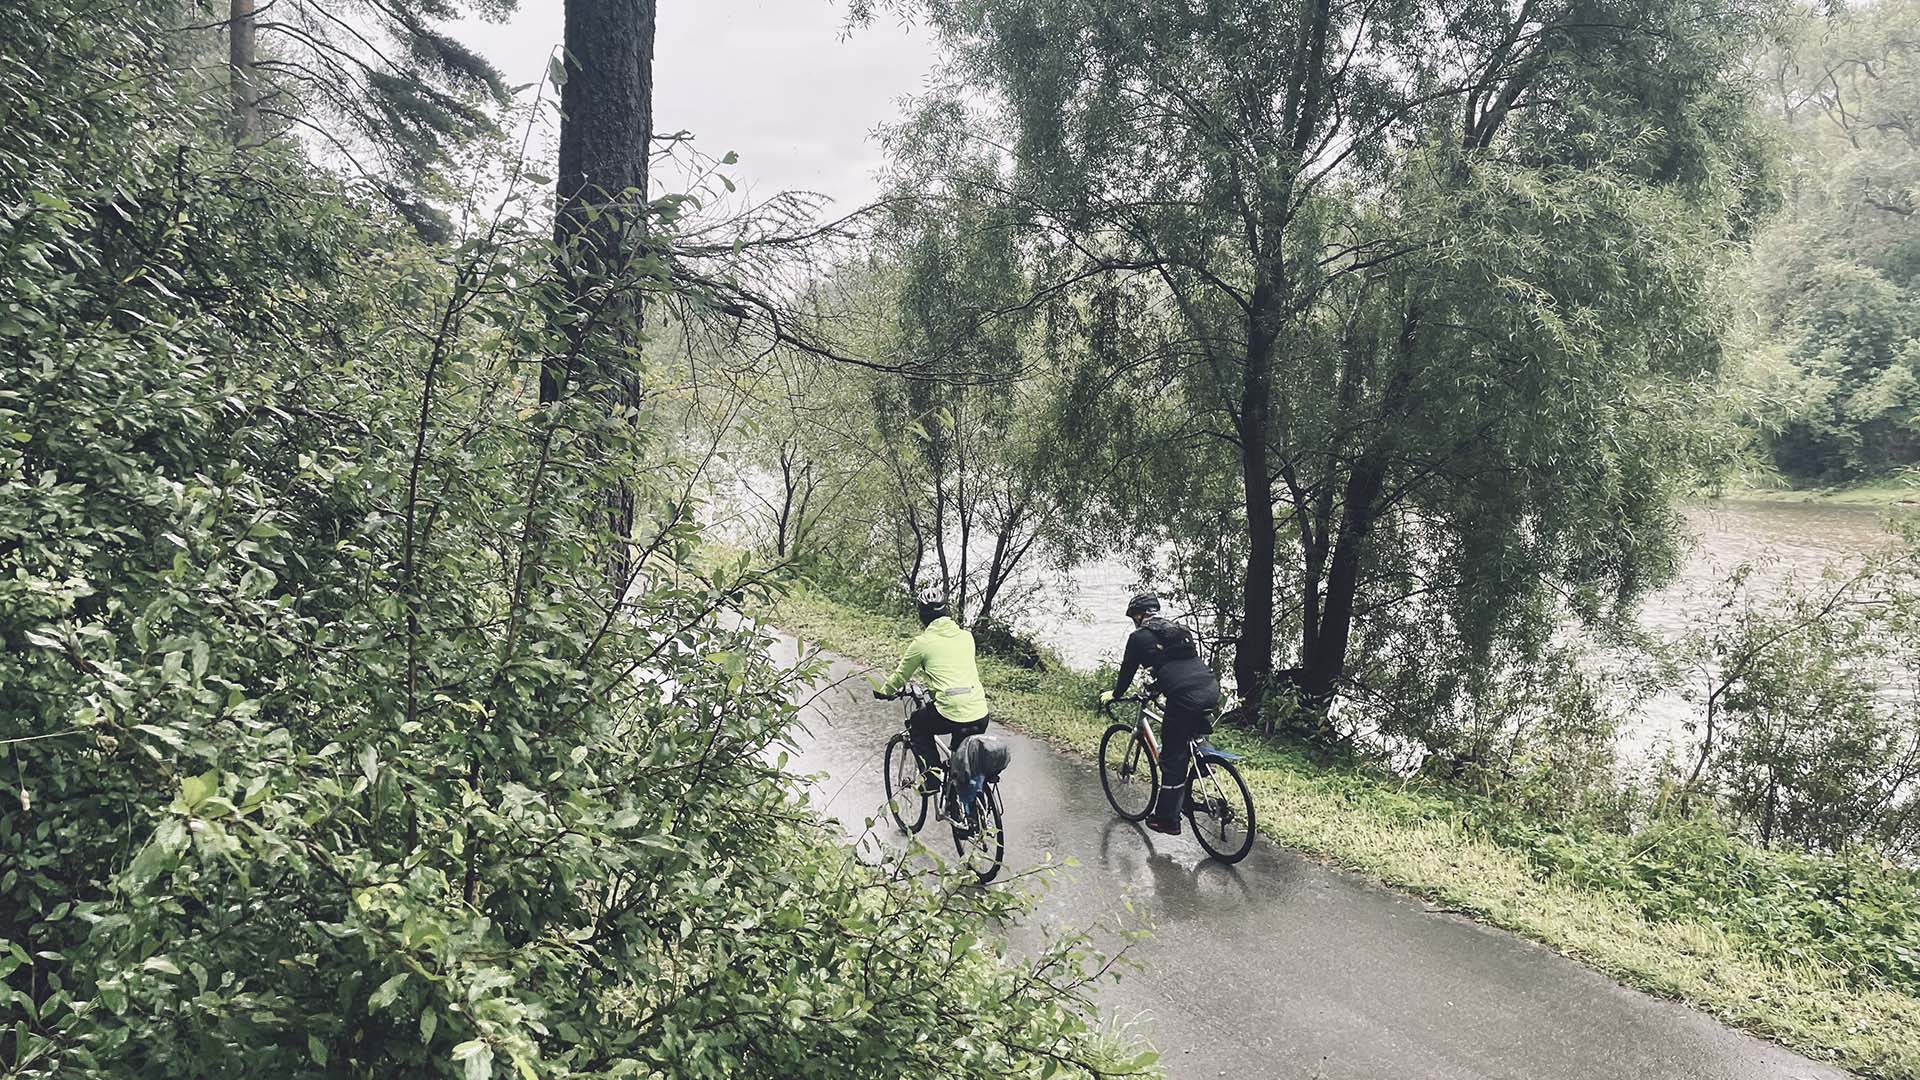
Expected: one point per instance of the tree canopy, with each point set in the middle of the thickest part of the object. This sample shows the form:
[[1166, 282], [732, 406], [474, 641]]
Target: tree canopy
[[1419, 298]]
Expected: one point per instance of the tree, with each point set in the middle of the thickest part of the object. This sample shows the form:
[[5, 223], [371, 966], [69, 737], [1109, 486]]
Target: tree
[[241, 33], [786, 423], [1836, 276], [931, 464], [602, 226], [374, 77], [1339, 238], [959, 428]]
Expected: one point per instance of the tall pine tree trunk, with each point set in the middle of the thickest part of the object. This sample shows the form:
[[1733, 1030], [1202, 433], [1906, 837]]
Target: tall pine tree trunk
[[245, 121], [601, 225]]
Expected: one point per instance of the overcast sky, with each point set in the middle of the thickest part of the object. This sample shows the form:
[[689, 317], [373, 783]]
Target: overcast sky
[[771, 79]]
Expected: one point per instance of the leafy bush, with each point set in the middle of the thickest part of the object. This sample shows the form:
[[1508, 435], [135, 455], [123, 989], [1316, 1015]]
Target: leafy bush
[[326, 751], [1853, 914], [1809, 728]]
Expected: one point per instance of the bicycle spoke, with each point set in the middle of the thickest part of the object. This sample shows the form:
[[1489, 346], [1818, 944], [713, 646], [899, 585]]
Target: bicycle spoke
[[1221, 811], [1127, 772]]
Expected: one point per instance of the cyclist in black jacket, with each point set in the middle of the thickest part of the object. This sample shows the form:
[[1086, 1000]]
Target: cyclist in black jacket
[[1192, 693]]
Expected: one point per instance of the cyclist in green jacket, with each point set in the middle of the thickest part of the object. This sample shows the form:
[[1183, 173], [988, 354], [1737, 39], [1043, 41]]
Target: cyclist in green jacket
[[942, 657]]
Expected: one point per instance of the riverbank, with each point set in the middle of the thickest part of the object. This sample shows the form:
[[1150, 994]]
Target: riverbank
[[1889, 492], [1821, 955]]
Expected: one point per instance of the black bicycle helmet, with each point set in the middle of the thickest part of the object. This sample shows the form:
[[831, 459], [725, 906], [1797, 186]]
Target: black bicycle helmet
[[1146, 602], [932, 604]]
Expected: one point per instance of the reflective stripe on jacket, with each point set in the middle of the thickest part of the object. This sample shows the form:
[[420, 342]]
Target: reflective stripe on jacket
[[943, 658]]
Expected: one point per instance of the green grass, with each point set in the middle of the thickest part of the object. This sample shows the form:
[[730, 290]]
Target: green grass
[[1660, 929], [1886, 491]]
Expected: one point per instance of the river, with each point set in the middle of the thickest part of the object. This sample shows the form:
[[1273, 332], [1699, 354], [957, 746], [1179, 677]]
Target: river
[[1080, 615], [1082, 618]]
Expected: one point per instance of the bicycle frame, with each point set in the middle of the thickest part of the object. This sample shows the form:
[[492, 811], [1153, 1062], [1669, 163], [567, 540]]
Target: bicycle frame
[[916, 697], [1217, 795], [1150, 717], [1146, 730]]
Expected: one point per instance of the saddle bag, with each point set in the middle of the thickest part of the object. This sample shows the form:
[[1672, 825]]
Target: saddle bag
[[985, 756]]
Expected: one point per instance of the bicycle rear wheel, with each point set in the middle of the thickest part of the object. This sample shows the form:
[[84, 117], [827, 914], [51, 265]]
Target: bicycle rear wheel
[[1220, 809], [1128, 772], [906, 804], [982, 841]]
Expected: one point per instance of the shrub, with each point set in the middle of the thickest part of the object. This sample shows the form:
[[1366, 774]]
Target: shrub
[[327, 750]]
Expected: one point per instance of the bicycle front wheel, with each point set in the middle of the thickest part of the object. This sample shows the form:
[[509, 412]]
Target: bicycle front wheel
[[905, 802], [1128, 772], [982, 840], [1220, 809]]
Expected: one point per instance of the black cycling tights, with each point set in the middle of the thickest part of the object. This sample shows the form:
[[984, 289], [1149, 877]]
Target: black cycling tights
[[927, 723]]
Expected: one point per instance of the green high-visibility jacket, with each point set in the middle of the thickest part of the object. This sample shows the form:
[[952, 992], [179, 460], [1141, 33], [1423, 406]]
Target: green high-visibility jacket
[[943, 658]]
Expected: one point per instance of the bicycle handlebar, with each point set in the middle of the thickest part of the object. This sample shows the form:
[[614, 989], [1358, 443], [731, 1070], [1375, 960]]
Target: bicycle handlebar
[[913, 691], [1147, 693]]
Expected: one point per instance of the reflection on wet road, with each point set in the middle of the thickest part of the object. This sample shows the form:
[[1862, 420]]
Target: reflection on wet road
[[1280, 967]]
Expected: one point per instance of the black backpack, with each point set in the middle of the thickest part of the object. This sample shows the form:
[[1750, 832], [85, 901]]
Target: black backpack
[[1171, 642]]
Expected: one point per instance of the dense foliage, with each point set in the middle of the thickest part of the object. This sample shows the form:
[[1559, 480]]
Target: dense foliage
[[326, 750], [934, 464], [1834, 366], [1395, 344]]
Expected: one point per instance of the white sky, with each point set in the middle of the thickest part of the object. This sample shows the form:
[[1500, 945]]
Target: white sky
[[770, 79]]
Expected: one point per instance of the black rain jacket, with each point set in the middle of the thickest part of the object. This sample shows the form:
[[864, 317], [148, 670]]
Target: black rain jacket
[[1167, 650]]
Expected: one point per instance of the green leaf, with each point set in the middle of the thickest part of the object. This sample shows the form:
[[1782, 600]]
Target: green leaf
[[477, 1057], [317, 1050], [390, 989], [194, 790], [158, 855]]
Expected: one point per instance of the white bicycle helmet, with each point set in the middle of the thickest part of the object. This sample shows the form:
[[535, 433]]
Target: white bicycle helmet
[[932, 602]]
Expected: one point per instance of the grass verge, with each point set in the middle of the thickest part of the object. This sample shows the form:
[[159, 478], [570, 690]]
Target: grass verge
[[1886, 491], [1440, 846]]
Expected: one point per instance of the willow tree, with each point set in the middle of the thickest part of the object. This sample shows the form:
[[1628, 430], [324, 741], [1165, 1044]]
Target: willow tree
[[950, 420], [1410, 276]]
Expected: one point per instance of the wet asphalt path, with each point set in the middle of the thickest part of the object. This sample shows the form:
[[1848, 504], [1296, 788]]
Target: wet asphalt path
[[1281, 967]]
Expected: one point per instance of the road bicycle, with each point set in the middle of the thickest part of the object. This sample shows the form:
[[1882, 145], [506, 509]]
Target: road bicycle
[[1219, 806], [977, 815]]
